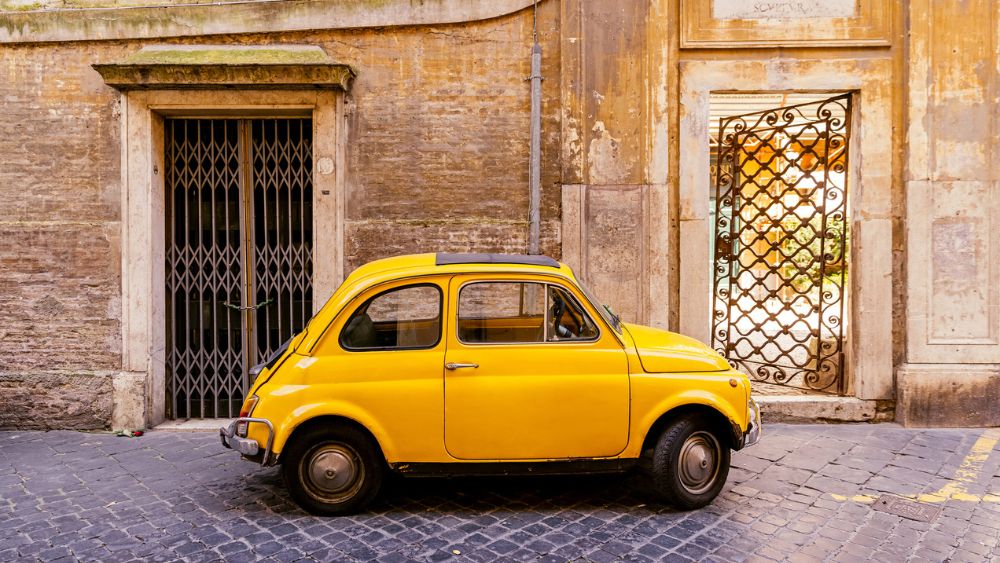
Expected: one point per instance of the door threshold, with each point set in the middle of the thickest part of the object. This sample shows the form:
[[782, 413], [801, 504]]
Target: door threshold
[[194, 424]]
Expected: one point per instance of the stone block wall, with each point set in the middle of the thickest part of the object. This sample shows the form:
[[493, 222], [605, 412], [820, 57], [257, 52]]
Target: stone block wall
[[60, 294], [436, 159]]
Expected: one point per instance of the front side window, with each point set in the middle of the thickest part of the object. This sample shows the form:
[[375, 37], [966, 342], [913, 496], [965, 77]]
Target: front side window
[[501, 312], [520, 312], [402, 318]]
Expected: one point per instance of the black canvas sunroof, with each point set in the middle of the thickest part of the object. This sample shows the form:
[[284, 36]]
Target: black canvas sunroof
[[447, 258]]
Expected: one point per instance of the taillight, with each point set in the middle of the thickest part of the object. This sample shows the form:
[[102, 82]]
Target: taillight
[[247, 410]]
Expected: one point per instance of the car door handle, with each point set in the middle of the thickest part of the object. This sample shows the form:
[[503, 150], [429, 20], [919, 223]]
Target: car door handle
[[454, 366]]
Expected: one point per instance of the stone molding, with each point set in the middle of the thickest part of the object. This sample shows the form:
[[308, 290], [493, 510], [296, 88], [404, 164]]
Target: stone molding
[[868, 25], [268, 16], [244, 77], [140, 389], [869, 333]]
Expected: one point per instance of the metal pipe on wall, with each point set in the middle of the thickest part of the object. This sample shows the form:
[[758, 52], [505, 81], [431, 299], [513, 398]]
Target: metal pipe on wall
[[535, 151]]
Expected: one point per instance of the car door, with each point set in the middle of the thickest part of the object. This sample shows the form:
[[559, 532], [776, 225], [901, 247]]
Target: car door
[[383, 358], [521, 384]]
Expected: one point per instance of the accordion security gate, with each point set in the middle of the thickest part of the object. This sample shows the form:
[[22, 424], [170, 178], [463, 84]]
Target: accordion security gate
[[780, 239], [239, 253]]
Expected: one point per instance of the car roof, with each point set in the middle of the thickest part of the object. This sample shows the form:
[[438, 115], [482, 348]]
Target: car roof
[[447, 258], [416, 265], [442, 262]]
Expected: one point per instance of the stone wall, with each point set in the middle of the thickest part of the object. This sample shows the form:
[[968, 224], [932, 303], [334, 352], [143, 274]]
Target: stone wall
[[437, 137], [436, 159], [59, 240]]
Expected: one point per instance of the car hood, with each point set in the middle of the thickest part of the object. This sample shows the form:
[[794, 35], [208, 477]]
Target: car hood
[[661, 351]]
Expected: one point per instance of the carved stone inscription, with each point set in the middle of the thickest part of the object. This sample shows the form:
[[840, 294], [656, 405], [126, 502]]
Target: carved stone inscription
[[782, 9]]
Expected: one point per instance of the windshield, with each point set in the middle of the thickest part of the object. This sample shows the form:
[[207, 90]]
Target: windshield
[[605, 311]]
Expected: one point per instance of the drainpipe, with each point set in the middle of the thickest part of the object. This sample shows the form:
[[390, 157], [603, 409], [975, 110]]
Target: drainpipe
[[535, 145]]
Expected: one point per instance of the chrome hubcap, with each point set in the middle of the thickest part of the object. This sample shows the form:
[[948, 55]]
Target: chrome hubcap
[[332, 472], [698, 464]]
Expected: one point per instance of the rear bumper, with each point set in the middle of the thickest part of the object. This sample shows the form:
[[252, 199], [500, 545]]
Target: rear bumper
[[246, 446]]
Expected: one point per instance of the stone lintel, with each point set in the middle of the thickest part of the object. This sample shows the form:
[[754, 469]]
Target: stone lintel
[[241, 76], [278, 67]]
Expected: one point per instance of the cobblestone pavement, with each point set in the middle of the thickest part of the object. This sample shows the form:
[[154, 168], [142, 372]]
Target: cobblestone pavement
[[805, 493]]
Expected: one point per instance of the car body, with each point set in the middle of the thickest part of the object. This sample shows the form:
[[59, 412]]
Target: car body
[[483, 363]]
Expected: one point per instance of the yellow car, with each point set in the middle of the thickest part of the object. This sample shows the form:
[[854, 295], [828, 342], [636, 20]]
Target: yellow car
[[484, 364]]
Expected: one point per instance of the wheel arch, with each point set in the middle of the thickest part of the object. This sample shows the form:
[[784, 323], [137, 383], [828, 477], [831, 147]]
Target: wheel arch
[[724, 426], [327, 421]]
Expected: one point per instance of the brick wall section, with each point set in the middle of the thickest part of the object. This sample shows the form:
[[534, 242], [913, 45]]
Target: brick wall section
[[59, 240], [440, 135], [437, 159]]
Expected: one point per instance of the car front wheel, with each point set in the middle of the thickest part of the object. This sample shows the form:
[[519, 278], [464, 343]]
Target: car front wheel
[[690, 463], [331, 471]]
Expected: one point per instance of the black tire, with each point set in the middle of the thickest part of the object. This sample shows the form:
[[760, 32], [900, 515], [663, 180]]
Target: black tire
[[690, 462], [333, 471]]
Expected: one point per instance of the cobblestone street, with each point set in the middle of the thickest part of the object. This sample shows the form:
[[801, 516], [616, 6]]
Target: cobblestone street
[[805, 493]]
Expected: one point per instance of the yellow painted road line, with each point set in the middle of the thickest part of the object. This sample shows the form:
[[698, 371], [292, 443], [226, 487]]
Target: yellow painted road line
[[957, 487]]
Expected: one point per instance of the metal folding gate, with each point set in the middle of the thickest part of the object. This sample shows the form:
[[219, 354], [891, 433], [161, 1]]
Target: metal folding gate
[[781, 235], [238, 253]]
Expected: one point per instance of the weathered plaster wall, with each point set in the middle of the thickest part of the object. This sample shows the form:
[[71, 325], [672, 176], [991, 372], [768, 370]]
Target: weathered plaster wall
[[636, 81], [616, 218], [953, 211], [437, 158]]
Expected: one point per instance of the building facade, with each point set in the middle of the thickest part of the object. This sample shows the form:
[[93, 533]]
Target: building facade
[[811, 187]]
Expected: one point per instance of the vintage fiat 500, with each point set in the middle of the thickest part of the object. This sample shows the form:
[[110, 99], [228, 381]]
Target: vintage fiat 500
[[485, 364]]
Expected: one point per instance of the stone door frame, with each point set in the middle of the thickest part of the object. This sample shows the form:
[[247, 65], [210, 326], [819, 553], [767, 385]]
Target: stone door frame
[[869, 369], [140, 388]]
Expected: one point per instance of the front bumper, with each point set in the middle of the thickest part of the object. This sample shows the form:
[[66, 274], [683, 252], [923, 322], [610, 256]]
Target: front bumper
[[246, 446], [754, 430]]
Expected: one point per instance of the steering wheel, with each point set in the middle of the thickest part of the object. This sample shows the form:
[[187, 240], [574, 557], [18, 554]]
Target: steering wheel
[[556, 312]]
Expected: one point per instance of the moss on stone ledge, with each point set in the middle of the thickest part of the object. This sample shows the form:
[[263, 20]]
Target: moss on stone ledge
[[226, 55]]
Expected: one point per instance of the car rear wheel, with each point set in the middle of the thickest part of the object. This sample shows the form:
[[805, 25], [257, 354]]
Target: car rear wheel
[[690, 462], [332, 471]]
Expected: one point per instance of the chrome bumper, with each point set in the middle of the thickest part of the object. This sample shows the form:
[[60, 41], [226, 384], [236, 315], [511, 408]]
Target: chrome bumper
[[246, 446], [752, 435]]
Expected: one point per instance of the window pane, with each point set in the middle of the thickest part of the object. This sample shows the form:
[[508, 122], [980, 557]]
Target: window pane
[[499, 312], [567, 319], [407, 317]]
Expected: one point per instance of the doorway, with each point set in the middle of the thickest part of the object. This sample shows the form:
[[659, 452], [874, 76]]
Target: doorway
[[239, 253], [780, 240]]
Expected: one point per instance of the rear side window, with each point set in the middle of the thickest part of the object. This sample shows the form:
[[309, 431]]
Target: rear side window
[[403, 318]]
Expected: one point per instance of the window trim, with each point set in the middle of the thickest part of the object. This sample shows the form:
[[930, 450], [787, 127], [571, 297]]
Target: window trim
[[545, 324], [441, 317]]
